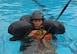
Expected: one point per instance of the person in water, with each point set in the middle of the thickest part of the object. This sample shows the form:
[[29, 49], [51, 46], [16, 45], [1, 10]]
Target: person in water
[[39, 34], [35, 17]]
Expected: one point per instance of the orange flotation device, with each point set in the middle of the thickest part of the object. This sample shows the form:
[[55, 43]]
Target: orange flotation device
[[47, 36]]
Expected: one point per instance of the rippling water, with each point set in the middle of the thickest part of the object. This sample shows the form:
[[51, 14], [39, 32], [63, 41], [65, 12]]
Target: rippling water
[[12, 10]]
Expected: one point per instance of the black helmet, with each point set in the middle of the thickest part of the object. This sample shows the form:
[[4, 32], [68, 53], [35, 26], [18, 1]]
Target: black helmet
[[36, 15]]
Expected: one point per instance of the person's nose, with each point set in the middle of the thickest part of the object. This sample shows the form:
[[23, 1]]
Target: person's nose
[[37, 22]]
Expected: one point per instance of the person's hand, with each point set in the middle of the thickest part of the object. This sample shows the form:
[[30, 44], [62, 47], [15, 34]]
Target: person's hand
[[32, 32]]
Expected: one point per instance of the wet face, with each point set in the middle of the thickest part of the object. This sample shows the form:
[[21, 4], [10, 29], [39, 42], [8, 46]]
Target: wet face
[[37, 23]]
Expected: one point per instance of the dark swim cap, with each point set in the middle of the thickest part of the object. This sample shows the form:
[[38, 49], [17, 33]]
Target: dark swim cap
[[36, 15]]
